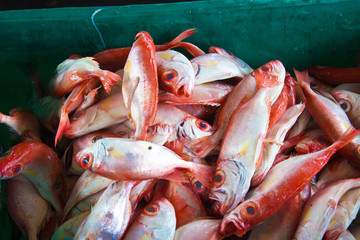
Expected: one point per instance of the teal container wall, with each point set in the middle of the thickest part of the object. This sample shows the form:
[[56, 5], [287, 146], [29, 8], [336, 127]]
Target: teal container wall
[[299, 33]]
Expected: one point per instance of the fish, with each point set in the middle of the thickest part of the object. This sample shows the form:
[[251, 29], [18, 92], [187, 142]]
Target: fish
[[241, 93], [281, 225], [115, 58], [200, 229], [156, 221], [239, 157], [36, 161], [71, 103], [71, 72], [111, 214], [282, 183], [312, 141], [127, 159], [140, 84], [68, 229], [353, 87], [330, 116], [213, 67], [273, 141], [346, 211], [187, 203], [175, 72], [26, 206], [349, 101], [108, 112], [212, 94], [21, 121], [200, 111], [319, 210], [334, 75]]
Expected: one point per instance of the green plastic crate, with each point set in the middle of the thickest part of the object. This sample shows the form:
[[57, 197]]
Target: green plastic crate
[[299, 33]]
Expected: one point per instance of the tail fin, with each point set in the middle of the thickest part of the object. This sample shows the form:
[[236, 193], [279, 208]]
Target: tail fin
[[203, 173], [64, 125], [176, 40], [349, 135], [5, 119], [302, 78], [203, 146], [107, 79], [194, 50]]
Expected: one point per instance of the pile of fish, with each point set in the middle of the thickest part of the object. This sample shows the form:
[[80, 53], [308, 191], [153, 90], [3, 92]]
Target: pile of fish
[[146, 142]]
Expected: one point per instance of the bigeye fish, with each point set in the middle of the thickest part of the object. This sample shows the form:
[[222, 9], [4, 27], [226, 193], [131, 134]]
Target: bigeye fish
[[239, 156], [140, 84], [108, 112], [312, 141], [330, 116], [350, 102], [26, 206], [127, 159], [176, 74], [22, 121], [71, 72], [320, 209], [156, 221], [41, 165], [111, 214], [283, 182], [214, 66]]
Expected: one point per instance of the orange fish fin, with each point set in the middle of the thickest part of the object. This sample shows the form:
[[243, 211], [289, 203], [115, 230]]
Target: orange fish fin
[[64, 124], [177, 146], [177, 176], [203, 173], [176, 40], [202, 146], [107, 79]]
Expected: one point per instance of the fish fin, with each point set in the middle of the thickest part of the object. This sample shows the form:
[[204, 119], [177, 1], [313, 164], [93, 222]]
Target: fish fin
[[203, 146], [348, 135], [177, 176], [107, 79], [64, 124], [203, 173], [177, 146], [325, 94], [176, 40], [194, 50]]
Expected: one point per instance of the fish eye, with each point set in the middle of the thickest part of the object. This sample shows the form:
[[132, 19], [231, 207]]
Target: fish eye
[[169, 76], [249, 209], [323, 140], [78, 115], [86, 160], [16, 169], [198, 185], [151, 209], [345, 105], [219, 178], [265, 69], [204, 126], [96, 138]]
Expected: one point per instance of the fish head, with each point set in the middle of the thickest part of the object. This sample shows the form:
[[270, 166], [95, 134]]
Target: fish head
[[193, 127], [242, 219], [175, 72], [158, 217], [231, 182], [92, 155], [270, 75], [12, 162], [81, 122], [315, 141], [347, 101]]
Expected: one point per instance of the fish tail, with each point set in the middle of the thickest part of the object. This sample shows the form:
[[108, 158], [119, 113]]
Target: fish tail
[[302, 78], [107, 79], [5, 119], [348, 135], [176, 40], [203, 173], [64, 124], [203, 146]]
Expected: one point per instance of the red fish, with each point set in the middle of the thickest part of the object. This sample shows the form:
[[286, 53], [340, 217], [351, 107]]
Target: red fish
[[140, 84], [282, 183]]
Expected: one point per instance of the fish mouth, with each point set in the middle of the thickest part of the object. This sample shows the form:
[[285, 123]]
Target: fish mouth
[[232, 224], [222, 200], [183, 90]]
